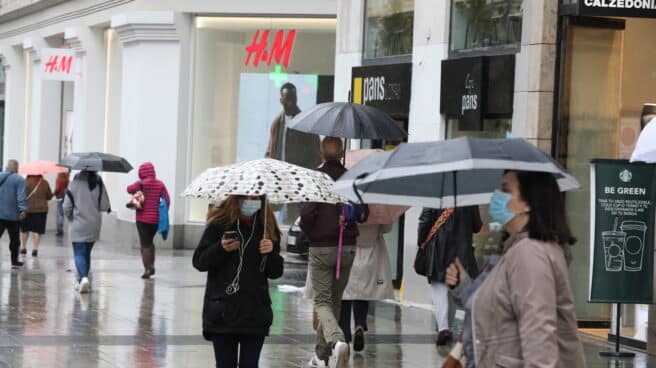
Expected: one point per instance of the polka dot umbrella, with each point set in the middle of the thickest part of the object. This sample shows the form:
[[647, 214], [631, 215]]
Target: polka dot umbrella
[[279, 181]]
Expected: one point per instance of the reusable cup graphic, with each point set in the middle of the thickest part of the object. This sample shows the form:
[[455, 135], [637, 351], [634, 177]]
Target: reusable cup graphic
[[614, 250], [634, 245]]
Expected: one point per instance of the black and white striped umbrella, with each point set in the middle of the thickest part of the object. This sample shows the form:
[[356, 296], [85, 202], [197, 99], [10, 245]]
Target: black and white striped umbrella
[[456, 172]]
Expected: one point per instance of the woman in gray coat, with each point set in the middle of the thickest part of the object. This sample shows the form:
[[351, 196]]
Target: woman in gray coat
[[86, 199]]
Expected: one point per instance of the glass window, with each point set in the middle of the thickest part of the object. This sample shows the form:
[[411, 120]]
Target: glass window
[[480, 24], [241, 67], [388, 28]]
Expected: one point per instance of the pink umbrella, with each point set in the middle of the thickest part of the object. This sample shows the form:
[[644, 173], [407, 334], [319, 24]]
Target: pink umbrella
[[378, 213], [41, 168]]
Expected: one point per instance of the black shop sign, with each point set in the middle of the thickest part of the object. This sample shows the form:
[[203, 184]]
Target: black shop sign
[[477, 88], [618, 8], [386, 87]]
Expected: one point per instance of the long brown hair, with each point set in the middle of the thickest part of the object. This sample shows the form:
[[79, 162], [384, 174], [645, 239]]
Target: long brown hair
[[228, 212]]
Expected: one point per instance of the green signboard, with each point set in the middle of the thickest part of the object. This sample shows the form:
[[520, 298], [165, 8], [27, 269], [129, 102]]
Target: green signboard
[[623, 196]]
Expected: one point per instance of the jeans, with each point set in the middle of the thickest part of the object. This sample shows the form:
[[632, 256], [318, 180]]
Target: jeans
[[13, 228], [82, 252], [60, 216], [328, 293], [360, 311], [230, 349]]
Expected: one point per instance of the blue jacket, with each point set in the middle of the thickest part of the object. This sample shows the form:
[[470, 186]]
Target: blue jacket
[[12, 196]]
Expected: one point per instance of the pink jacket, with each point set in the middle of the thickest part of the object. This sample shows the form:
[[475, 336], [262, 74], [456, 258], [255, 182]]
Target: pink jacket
[[153, 190]]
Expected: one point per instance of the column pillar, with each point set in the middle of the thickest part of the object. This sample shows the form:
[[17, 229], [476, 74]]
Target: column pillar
[[14, 63], [348, 51], [150, 106]]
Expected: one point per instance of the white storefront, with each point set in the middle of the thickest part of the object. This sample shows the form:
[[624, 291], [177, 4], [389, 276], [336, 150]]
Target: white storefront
[[154, 81]]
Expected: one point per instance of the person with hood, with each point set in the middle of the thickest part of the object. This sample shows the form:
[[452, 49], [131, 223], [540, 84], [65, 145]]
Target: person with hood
[[38, 194], [453, 239], [148, 216], [321, 222], [86, 198], [13, 207], [240, 251], [520, 310]]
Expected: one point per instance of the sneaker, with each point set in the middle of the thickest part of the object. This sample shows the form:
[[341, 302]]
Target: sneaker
[[341, 353], [315, 362], [16, 264], [358, 339], [85, 286], [23, 251]]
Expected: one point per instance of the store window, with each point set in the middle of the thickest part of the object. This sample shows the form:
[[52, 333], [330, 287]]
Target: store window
[[241, 67], [388, 28], [484, 24]]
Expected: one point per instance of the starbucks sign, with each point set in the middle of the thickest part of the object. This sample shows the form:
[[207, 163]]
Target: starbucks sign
[[622, 223]]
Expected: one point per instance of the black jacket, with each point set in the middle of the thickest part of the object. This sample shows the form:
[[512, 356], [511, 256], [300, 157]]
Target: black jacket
[[320, 221], [453, 240], [249, 310]]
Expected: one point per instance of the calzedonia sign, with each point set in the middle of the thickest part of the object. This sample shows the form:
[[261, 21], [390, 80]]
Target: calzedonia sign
[[623, 197], [618, 8]]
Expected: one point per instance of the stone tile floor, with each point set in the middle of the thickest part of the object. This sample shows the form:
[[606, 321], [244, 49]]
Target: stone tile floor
[[126, 322]]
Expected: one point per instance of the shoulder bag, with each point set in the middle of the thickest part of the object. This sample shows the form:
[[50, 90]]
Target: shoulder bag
[[421, 259]]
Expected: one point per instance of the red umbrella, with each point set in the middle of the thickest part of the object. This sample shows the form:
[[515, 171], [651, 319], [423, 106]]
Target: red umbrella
[[41, 168], [378, 213]]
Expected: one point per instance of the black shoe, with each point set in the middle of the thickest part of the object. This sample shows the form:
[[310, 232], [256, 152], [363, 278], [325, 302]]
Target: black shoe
[[35, 253], [444, 338], [358, 340], [60, 234], [16, 264], [23, 251]]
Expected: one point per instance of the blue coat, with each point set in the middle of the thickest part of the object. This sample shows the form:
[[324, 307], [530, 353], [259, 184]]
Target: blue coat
[[12, 196]]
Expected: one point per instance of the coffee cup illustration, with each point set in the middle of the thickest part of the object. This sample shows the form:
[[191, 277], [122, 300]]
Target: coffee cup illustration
[[614, 250], [634, 244]]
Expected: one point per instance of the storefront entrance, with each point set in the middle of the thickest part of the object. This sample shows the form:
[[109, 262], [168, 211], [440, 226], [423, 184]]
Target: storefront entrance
[[606, 76]]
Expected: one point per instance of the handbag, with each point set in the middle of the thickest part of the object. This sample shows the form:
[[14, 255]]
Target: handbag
[[421, 259], [137, 200]]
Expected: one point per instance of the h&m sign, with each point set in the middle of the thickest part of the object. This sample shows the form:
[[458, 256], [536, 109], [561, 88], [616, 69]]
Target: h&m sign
[[618, 8], [280, 51], [58, 64]]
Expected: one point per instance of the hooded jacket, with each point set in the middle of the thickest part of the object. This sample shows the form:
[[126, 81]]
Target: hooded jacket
[[83, 206], [12, 196], [153, 189]]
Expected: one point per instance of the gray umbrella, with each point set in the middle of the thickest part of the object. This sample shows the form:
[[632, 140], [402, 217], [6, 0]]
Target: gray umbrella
[[96, 161], [348, 120], [425, 174]]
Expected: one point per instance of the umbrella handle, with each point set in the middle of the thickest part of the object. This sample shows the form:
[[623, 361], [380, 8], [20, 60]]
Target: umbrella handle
[[339, 246], [355, 189], [264, 235]]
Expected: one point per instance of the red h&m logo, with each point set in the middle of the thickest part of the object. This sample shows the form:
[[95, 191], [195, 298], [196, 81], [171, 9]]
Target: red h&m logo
[[59, 64], [280, 51]]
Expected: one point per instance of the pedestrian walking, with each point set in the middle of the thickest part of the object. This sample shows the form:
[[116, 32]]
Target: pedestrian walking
[[38, 194], [150, 190], [13, 208], [370, 279], [240, 251], [447, 234], [85, 200], [321, 222], [522, 314], [61, 185]]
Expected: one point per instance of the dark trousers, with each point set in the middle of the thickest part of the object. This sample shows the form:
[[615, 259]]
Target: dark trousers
[[13, 228], [360, 311], [230, 349]]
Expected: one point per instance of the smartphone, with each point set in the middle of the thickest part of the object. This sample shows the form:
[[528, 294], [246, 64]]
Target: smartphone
[[231, 235]]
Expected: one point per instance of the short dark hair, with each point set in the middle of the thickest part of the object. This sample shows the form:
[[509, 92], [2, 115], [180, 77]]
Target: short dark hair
[[289, 86], [547, 217], [328, 140]]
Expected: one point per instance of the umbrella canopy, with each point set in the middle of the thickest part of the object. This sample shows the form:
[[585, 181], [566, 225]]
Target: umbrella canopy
[[645, 149], [378, 213], [281, 182], [348, 120], [41, 168], [96, 161], [455, 172]]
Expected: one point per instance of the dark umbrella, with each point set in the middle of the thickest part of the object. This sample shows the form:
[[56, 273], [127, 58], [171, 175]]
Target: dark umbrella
[[455, 172], [96, 161], [348, 120]]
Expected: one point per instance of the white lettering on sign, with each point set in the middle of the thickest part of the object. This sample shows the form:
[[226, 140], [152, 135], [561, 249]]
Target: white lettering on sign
[[58, 64], [622, 4], [374, 89], [470, 98], [625, 191]]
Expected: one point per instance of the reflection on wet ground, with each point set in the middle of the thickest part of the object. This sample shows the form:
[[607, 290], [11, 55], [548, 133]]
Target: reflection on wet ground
[[126, 322]]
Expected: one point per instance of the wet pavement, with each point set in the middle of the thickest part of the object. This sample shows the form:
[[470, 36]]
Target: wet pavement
[[128, 322]]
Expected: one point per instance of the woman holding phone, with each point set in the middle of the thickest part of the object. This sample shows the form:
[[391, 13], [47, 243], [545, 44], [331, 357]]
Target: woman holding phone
[[239, 255]]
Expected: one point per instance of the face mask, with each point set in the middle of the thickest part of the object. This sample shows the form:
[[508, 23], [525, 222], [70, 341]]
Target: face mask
[[249, 207], [499, 207]]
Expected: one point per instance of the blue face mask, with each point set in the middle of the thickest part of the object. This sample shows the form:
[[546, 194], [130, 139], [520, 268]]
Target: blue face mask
[[249, 207], [499, 207]]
